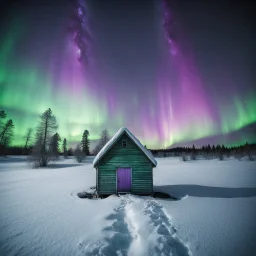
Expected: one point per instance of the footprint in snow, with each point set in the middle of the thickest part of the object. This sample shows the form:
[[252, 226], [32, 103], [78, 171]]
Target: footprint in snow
[[116, 239], [167, 242]]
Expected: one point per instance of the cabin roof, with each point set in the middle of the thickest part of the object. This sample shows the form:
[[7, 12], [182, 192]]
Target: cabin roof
[[115, 138]]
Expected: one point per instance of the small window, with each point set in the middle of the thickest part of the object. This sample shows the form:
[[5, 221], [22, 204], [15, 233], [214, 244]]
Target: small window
[[124, 143]]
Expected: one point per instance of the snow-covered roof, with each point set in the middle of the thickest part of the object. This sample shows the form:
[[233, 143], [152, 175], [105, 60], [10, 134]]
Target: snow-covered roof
[[113, 140]]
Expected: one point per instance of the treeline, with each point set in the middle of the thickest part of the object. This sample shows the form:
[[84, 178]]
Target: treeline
[[209, 152], [44, 144]]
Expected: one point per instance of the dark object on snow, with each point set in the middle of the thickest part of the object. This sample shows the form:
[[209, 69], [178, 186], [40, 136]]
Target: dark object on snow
[[124, 165], [85, 195]]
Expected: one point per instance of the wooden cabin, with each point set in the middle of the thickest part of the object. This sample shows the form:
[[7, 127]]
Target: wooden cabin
[[124, 165]]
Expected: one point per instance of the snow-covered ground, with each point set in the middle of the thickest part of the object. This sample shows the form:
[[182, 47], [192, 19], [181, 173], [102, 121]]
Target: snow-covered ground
[[40, 213]]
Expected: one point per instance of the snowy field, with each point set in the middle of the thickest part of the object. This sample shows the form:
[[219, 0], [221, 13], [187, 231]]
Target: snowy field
[[40, 213]]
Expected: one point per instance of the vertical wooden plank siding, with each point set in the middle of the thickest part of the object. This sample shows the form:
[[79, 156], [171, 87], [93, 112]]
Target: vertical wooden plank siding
[[129, 156], [97, 185]]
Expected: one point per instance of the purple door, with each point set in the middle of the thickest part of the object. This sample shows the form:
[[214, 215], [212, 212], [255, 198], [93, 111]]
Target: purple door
[[123, 179]]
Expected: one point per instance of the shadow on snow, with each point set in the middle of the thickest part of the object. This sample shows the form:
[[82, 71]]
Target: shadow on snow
[[180, 191]]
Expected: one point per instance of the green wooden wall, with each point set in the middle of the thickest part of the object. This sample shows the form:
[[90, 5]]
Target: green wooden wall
[[131, 156]]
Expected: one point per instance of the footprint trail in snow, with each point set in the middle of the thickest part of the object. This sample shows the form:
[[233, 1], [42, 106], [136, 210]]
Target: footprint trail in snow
[[138, 227], [167, 242], [116, 238]]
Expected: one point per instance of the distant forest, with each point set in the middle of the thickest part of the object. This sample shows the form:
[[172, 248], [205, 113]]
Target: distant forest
[[209, 152]]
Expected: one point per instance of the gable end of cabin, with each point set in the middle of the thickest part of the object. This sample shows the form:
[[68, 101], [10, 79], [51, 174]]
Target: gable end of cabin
[[124, 169]]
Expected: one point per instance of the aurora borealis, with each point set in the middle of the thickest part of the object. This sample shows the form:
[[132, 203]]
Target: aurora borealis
[[170, 71]]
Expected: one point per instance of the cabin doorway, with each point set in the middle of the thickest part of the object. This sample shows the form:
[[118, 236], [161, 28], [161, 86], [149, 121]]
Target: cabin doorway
[[124, 178]]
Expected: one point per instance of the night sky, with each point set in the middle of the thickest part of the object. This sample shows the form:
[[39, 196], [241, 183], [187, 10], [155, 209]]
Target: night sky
[[173, 72]]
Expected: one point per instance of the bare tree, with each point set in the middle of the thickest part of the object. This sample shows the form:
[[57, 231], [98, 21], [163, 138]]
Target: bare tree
[[35, 158], [42, 153], [104, 138], [28, 138], [79, 154]]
